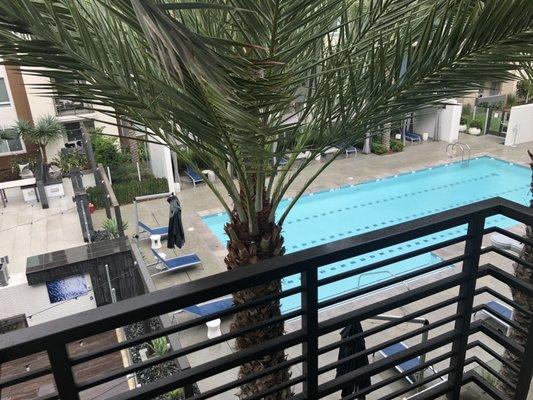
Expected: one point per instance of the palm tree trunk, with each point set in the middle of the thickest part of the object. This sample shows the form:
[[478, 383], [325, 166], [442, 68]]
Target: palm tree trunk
[[526, 275], [247, 249], [385, 137], [42, 149]]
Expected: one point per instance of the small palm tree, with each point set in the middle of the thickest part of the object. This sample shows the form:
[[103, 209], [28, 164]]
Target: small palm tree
[[222, 78], [47, 129]]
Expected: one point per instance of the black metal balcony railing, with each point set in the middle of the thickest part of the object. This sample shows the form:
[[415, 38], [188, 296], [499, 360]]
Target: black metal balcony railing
[[455, 342], [66, 107]]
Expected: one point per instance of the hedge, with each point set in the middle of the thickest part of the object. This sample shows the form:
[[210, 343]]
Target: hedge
[[125, 192]]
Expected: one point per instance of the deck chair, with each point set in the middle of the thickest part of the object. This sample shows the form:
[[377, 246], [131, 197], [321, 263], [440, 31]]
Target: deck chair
[[413, 137], [350, 150], [211, 306], [177, 263], [406, 365], [193, 175], [160, 230], [495, 317]]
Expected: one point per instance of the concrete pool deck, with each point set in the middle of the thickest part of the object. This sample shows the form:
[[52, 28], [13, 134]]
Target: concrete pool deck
[[199, 201]]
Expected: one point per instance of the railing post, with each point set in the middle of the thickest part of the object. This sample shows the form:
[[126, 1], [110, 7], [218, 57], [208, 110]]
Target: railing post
[[310, 327], [526, 369], [465, 303], [61, 368]]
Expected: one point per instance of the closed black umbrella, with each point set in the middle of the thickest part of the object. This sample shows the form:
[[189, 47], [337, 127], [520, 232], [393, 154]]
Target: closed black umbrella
[[349, 348], [176, 234]]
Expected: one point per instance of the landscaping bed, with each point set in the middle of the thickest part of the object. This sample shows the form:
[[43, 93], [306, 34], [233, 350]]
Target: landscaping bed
[[155, 372]]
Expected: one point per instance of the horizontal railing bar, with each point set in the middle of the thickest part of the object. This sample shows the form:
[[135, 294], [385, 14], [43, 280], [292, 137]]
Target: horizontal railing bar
[[182, 326], [388, 304], [503, 360], [212, 367], [506, 300], [391, 260], [503, 340], [387, 363], [276, 388], [183, 351], [496, 314], [512, 257], [515, 211], [36, 373], [389, 282], [505, 277], [388, 325], [95, 321], [399, 392], [481, 363], [396, 377], [512, 235], [473, 376], [387, 343], [249, 378]]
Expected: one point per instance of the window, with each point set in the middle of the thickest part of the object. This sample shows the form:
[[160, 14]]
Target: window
[[4, 96], [11, 146], [495, 88], [73, 131]]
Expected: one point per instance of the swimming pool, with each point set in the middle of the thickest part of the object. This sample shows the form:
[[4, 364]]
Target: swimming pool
[[334, 214]]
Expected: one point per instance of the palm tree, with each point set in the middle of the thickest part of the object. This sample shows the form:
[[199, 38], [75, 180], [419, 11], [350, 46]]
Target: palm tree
[[222, 78], [46, 130], [525, 275]]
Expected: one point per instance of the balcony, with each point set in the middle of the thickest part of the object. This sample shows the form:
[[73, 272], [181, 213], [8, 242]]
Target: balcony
[[66, 107], [451, 344]]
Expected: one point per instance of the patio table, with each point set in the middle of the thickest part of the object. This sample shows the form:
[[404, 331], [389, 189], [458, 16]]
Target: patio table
[[17, 183]]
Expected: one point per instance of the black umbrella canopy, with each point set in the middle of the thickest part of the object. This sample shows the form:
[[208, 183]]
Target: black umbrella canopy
[[176, 234], [349, 348]]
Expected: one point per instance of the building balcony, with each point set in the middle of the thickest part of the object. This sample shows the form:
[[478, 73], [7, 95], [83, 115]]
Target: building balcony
[[66, 107], [429, 332]]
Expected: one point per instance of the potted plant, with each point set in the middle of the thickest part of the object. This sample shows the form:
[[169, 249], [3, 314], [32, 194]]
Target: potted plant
[[463, 125], [475, 128]]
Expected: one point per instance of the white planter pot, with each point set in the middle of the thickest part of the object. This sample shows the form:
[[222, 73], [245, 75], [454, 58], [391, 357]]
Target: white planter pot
[[474, 131], [462, 128]]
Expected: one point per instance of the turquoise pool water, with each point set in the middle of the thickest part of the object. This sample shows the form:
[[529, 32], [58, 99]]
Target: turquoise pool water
[[354, 209]]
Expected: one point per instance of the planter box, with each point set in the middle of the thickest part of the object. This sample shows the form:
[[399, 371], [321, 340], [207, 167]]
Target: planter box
[[474, 131], [54, 190], [462, 128]]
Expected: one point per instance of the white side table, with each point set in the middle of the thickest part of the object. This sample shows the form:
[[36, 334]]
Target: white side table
[[210, 175], [156, 241], [213, 328]]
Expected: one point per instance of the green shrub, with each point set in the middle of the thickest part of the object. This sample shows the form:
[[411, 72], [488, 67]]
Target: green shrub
[[68, 159], [175, 394], [159, 346], [125, 192], [476, 124], [110, 226], [378, 148], [106, 150], [463, 121], [396, 146], [127, 172]]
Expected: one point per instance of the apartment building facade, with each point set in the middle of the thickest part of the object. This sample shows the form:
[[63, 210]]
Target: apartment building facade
[[21, 98]]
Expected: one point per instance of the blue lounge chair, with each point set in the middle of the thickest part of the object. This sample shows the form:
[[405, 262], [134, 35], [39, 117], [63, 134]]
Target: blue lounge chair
[[160, 230], [495, 317], [193, 175], [210, 307], [406, 365], [413, 137], [177, 263]]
